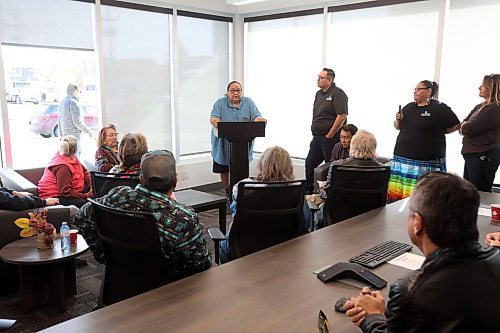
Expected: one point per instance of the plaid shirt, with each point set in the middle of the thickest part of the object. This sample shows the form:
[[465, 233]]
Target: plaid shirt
[[178, 226]]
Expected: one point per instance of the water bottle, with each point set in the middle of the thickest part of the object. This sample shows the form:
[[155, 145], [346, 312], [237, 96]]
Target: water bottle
[[65, 241]]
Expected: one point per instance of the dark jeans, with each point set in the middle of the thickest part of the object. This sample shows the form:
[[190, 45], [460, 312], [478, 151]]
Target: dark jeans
[[480, 168], [320, 150]]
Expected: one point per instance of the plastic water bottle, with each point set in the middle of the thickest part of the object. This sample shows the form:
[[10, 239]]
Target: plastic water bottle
[[65, 241]]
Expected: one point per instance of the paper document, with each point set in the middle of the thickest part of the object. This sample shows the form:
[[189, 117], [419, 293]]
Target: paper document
[[484, 211], [408, 261]]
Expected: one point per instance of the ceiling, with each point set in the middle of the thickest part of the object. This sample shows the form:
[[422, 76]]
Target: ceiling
[[225, 6]]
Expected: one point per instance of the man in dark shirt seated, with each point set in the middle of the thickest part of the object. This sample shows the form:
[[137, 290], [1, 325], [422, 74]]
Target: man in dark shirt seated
[[457, 287], [339, 152], [18, 201], [178, 226], [363, 149], [341, 149]]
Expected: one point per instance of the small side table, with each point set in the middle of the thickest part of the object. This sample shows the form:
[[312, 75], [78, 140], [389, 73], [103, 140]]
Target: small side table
[[47, 276]]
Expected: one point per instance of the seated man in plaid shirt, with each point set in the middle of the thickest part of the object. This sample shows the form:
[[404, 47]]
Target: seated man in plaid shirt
[[178, 226]]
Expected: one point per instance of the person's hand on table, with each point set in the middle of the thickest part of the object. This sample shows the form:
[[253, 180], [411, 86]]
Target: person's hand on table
[[368, 302]]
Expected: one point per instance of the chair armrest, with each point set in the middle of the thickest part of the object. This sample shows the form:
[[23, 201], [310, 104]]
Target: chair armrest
[[320, 173], [215, 234], [14, 181]]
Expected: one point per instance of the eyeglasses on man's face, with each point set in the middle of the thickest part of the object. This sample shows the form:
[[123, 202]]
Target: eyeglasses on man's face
[[323, 77], [417, 89], [235, 91]]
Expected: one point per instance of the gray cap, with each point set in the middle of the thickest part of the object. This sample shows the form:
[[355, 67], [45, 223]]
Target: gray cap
[[158, 169]]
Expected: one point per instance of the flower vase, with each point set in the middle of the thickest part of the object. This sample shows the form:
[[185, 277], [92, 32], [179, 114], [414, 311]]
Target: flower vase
[[44, 241]]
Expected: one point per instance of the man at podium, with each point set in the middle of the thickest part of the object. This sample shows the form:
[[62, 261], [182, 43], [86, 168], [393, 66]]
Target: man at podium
[[232, 107]]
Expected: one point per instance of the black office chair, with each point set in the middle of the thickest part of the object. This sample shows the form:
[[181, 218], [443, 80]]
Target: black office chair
[[355, 190], [268, 213], [135, 262], [103, 182]]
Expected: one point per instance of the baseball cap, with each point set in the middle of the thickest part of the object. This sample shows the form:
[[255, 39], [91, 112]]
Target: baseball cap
[[157, 168]]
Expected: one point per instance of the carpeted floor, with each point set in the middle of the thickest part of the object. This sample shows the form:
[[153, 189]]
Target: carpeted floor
[[88, 285]]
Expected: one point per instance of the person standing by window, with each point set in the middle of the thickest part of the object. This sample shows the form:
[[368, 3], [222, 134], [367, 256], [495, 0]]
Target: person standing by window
[[232, 107], [70, 118], [421, 143], [481, 131], [329, 114]]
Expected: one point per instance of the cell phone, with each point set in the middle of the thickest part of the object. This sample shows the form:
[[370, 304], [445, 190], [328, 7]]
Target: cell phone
[[399, 108]]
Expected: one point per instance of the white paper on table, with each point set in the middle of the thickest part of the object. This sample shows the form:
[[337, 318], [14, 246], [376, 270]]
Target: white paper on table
[[484, 211], [408, 261]]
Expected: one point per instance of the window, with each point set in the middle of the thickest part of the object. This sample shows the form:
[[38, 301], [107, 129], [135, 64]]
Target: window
[[41, 55], [136, 66], [379, 55], [463, 68], [203, 65], [282, 61]]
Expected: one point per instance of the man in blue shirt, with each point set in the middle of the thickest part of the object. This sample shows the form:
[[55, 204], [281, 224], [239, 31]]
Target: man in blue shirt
[[232, 107]]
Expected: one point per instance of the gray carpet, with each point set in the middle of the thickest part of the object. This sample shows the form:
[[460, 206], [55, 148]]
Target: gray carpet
[[87, 293]]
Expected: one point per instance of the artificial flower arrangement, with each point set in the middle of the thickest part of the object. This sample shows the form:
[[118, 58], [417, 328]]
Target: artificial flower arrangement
[[37, 225]]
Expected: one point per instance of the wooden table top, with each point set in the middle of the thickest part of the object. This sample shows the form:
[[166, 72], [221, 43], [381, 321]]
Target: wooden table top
[[273, 290], [25, 252], [195, 198]]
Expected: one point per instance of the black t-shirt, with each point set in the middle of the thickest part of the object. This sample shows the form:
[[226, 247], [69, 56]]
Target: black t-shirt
[[422, 130], [327, 104]]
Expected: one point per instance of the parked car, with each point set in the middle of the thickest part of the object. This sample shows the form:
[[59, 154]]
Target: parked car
[[12, 98], [44, 122]]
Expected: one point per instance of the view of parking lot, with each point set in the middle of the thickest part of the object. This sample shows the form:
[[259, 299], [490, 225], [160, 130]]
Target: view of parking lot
[[30, 149], [36, 81]]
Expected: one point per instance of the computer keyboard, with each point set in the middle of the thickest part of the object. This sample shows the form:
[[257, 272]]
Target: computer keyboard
[[380, 254]]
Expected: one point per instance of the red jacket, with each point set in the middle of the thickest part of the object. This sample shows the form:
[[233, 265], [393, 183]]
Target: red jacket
[[50, 186]]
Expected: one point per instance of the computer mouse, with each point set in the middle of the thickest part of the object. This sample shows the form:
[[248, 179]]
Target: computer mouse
[[339, 305]]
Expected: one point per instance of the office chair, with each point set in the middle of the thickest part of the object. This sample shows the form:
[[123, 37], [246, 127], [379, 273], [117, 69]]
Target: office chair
[[355, 190], [135, 261], [268, 213], [103, 182]]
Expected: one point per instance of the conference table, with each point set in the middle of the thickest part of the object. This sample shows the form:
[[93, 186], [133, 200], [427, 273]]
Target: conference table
[[273, 290]]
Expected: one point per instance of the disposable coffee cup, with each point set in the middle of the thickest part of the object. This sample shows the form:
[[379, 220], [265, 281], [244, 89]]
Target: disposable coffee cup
[[73, 236], [495, 212]]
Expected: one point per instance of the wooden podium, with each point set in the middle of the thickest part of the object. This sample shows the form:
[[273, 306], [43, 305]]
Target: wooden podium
[[239, 135]]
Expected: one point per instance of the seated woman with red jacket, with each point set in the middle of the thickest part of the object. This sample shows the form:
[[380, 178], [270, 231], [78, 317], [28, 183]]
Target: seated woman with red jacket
[[65, 177]]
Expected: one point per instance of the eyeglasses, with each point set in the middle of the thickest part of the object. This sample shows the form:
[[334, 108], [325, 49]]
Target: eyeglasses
[[322, 77], [234, 91], [418, 89], [323, 325]]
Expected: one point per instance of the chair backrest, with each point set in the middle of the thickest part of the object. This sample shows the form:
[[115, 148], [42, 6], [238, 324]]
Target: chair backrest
[[103, 182], [355, 190], [135, 261], [268, 213]]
